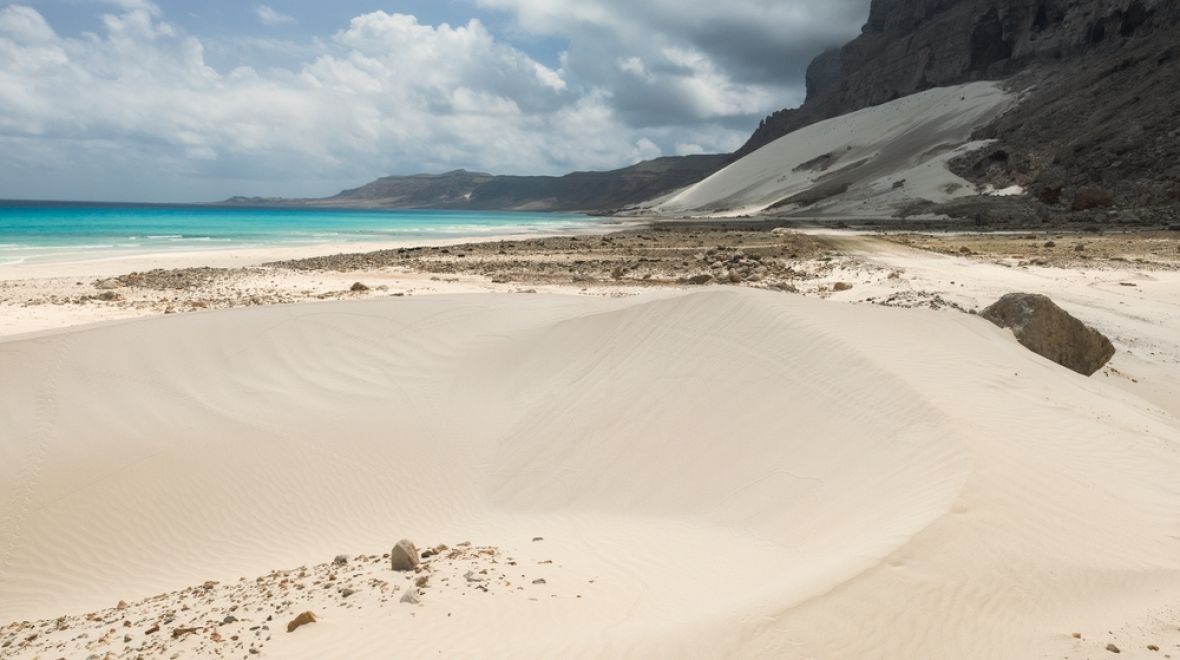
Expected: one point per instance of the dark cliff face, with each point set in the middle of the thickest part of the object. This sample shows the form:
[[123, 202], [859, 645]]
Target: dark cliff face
[[1100, 82], [911, 45]]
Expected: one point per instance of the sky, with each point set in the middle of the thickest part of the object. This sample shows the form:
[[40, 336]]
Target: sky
[[169, 101]]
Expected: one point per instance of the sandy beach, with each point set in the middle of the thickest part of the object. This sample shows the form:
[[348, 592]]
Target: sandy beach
[[824, 454], [505, 329]]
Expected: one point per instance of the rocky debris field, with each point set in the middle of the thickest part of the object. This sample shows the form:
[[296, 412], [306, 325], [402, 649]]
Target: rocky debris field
[[651, 257], [240, 619], [752, 253], [173, 291], [1155, 250], [616, 264]]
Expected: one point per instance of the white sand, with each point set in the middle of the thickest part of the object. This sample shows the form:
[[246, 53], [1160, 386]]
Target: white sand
[[909, 140], [1143, 320], [60, 278], [726, 473]]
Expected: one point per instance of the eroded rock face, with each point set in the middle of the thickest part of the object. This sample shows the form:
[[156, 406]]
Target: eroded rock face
[[1105, 76], [1046, 329]]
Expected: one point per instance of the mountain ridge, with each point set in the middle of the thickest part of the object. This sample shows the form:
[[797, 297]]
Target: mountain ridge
[[584, 191]]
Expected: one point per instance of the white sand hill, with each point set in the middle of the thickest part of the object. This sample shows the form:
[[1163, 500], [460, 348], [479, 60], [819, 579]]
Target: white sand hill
[[727, 473], [869, 162]]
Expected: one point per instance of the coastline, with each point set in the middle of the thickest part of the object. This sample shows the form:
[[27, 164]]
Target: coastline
[[612, 262], [31, 293]]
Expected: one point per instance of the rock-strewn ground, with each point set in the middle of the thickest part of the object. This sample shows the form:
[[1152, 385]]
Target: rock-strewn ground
[[749, 253], [1058, 249], [652, 257], [239, 619]]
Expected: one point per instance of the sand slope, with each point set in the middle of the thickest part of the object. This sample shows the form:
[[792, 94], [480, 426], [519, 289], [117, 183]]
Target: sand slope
[[722, 473], [871, 161]]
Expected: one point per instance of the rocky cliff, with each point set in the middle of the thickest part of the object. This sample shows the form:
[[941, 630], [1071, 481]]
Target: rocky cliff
[[911, 45], [1101, 81]]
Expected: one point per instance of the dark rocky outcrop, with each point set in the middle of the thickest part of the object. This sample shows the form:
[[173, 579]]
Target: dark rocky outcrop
[[1100, 81], [1046, 329]]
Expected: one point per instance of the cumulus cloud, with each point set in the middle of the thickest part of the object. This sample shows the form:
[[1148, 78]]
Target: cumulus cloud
[[271, 16], [691, 61], [136, 111]]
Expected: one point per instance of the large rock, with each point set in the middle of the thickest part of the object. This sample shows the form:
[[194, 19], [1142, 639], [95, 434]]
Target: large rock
[[1046, 329], [404, 556]]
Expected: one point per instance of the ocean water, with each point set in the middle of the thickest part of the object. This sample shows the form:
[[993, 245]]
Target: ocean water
[[37, 232]]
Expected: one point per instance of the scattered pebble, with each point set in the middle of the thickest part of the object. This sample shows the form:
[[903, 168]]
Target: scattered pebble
[[301, 620]]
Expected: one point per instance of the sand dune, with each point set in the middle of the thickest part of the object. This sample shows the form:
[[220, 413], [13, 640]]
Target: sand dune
[[868, 162], [729, 473]]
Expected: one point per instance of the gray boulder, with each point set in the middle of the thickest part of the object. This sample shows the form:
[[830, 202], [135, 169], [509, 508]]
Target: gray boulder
[[1046, 329], [404, 556]]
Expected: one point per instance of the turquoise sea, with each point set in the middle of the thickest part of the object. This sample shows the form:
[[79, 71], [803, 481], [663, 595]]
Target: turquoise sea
[[38, 232]]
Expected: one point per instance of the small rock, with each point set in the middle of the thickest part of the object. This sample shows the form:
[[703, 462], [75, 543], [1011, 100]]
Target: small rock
[[539, 581], [122, 605], [229, 618], [410, 597], [404, 556], [358, 287], [340, 560], [301, 620], [1152, 647], [703, 278], [109, 283], [1112, 648], [1050, 244], [841, 286], [538, 538], [346, 592]]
